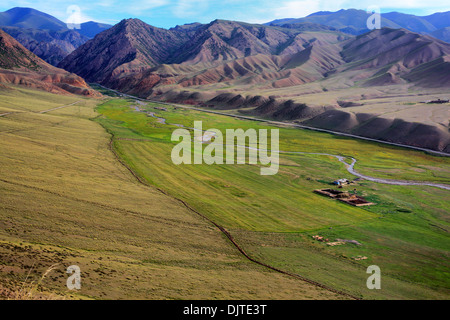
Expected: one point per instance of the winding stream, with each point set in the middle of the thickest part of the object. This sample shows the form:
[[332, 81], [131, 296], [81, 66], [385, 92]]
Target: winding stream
[[350, 167]]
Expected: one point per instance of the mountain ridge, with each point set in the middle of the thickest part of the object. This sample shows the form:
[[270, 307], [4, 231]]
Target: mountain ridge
[[219, 56], [210, 45], [18, 66], [217, 53], [353, 21], [265, 70], [45, 35]]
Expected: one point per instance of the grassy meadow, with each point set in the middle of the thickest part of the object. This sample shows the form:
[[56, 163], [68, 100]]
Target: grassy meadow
[[66, 200], [275, 217]]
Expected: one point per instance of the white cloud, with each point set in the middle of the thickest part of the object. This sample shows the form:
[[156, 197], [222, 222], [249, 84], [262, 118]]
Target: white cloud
[[189, 8], [142, 6], [294, 9]]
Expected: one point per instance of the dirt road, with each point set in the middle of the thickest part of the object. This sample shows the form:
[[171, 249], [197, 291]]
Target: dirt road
[[350, 167], [41, 112]]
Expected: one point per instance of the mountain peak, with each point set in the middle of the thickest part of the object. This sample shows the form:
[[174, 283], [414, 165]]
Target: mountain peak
[[30, 18], [134, 25], [131, 45], [125, 23], [132, 21], [24, 10]]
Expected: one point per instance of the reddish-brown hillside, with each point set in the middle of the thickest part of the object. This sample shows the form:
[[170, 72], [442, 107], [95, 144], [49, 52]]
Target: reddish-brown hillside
[[128, 47], [21, 67], [391, 55], [228, 64], [133, 46]]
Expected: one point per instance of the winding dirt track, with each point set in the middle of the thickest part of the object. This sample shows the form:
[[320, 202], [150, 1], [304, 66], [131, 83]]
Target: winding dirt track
[[441, 153], [57, 108], [226, 232], [186, 205], [41, 112], [350, 167]]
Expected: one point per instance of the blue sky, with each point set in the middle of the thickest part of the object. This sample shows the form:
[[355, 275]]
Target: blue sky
[[169, 13]]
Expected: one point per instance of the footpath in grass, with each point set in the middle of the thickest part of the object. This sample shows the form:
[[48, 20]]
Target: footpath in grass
[[66, 200], [405, 233]]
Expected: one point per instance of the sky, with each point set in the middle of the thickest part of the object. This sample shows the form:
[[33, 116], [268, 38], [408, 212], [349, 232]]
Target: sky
[[169, 13]]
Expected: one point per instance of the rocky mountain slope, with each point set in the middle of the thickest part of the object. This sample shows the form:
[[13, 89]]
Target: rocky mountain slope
[[45, 35], [128, 47], [134, 56], [217, 65], [51, 46], [204, 52], [392, 56], [18, 66], [442, 34]]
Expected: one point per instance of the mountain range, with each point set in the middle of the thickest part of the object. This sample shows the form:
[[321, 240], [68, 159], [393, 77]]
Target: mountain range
[[222, 63], [138, 57], [18, 66], [205, 52], [51, 40], [354, 22], [45, 35], [313, 71]]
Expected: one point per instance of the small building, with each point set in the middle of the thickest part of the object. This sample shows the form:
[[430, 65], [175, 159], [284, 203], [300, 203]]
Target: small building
[[341, 182], [438, 101], [346, 197]]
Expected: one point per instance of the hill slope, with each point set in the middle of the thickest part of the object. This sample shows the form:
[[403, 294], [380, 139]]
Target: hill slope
[[91, 28], [28, 18], [51, 46], [442, 34], [393, 54], [56, 164], [45, 35], [231, 65], [244, 55], [351, 21], [19, 66], [129, 46], [133, 46]]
